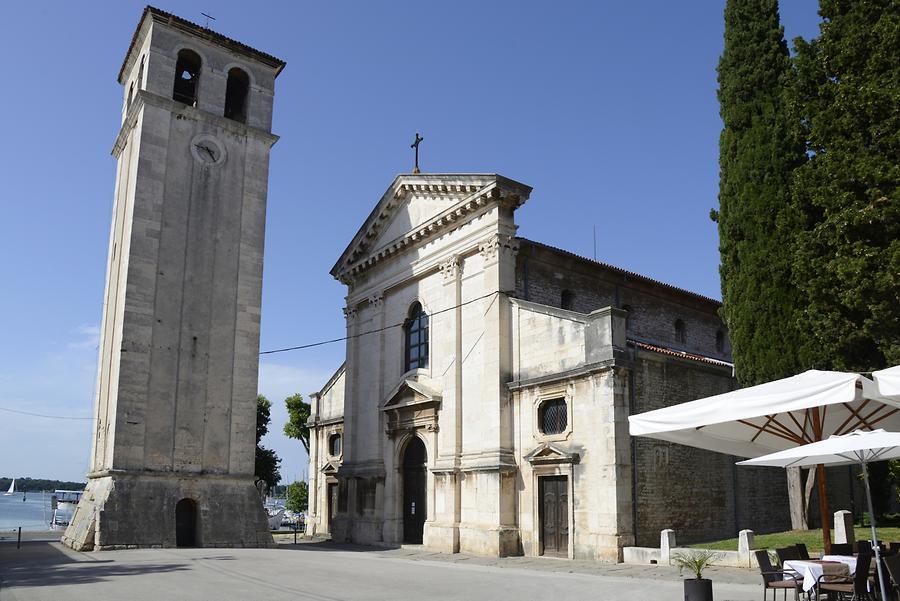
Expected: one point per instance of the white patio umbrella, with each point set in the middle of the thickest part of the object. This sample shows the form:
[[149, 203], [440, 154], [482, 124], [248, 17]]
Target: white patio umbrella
[[888, 382], [860, 447], [776, 416]]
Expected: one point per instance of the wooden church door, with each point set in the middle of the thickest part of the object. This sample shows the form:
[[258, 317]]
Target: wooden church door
[[554, 515]]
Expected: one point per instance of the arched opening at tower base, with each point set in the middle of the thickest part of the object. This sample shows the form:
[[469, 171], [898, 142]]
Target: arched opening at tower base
[[186, 523], [415, 458]]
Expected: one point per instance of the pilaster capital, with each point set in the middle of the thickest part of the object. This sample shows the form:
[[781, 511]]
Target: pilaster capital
[[498, 245], [376, 299], [451, 268], [350, 313]]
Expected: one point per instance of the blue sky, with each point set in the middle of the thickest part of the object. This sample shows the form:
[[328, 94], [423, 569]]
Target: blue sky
[[607, 109]]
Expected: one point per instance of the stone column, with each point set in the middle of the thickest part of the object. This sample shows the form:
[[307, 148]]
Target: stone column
[[313, 492], [745, 546], [376, 302], [342, 523], [843, 527], [443, 532], [666, 544], [490, 528]]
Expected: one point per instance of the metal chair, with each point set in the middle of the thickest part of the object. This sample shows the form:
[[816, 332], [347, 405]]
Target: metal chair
[[777, 580], [832, 572], [892, 563], [787, 554], [857, 586], [841, 549], [802, 551]]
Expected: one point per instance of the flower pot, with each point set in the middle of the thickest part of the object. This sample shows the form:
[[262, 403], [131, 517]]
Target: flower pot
[[698, 590]]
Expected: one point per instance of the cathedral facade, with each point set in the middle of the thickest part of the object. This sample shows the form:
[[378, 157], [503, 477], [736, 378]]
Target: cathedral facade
[[482, 407]]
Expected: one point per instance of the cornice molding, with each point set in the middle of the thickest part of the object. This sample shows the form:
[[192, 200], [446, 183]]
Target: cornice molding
[[359, 257], [143, 97]]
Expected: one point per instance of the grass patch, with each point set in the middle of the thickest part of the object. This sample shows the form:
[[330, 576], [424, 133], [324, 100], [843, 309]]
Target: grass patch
[[811, 538]]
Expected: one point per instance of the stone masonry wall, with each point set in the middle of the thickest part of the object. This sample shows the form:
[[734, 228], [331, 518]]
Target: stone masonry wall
[[543, 273], [689, 490]]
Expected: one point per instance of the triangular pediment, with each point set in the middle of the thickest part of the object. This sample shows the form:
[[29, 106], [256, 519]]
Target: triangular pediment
[[550, 453], [410, 393], [330, 467], [416, 207]]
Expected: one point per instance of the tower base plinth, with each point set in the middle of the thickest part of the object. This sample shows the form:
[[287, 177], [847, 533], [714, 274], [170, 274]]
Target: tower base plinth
[[122, 510]]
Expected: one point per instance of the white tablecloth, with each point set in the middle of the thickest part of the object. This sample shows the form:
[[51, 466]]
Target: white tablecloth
[[810, 570], [848, 560]]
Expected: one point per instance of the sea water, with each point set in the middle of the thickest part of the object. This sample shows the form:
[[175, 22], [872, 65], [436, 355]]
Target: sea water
[[34, 513]]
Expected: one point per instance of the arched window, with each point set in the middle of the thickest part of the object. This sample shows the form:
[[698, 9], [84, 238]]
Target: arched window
[[680, 333], [553, 416], [187, 76], [130, 95], [566, 299], [334, 445], [416, 330], [236, 95], [720, 341]]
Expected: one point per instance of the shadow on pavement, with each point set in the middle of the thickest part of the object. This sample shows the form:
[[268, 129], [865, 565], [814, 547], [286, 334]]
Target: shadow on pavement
[[46, 564], [327, 545]]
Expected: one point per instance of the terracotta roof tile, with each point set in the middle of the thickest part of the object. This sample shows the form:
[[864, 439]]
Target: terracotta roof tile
[[680, 354]]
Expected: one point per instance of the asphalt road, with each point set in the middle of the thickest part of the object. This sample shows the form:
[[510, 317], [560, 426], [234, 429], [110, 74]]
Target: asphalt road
[[324, 572]]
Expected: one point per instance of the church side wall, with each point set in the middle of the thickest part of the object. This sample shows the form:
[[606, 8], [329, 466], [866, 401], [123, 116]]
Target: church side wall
[[700, 494], [542, 274], [327, 413]]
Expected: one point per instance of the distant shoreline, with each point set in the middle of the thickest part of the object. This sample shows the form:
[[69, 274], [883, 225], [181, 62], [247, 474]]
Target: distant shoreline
[[7, 536]]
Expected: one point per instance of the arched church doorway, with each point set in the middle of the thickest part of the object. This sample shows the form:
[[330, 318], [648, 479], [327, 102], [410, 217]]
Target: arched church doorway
[[186, 523], [414, 484]]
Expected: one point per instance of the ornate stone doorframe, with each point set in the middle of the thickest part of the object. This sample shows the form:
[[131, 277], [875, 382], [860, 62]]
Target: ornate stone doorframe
[[330, 481], [548, 459], [410, 410]]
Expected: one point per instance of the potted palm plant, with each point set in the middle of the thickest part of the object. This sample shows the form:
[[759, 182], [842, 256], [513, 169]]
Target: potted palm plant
[[697, 588]]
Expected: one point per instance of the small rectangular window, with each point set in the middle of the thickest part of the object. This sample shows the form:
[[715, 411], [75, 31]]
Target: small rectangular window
[[553, 416]]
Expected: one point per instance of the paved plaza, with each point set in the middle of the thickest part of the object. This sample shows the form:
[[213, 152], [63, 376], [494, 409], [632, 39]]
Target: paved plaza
[[328, 572]]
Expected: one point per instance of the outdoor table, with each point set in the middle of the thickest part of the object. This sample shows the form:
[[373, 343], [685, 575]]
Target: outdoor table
[[848, 560], [810, 569]]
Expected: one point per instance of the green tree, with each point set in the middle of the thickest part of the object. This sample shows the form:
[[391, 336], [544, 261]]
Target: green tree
[[298, 414], [297, 496], [267, 462], [759, 147], [847, 200]]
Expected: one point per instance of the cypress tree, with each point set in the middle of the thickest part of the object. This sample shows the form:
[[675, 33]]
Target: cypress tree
[[847, 199], [759, 147]]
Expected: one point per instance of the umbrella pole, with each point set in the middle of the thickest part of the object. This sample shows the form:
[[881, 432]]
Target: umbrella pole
[[875, 547], [823, 508]]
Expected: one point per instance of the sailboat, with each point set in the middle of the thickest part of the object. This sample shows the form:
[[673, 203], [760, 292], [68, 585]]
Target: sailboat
[[12, 488]]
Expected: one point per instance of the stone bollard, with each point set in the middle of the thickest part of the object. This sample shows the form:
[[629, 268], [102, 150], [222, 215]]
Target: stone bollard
[[666, 544], [843, 527], [745, 546]]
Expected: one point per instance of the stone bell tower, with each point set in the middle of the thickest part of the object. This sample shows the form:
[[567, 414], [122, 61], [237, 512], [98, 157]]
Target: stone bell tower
[[174, 432]]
